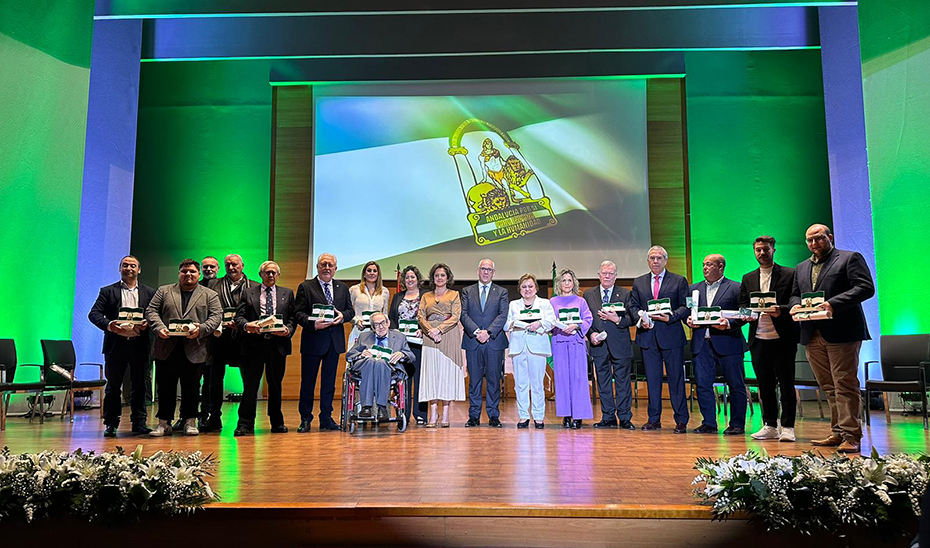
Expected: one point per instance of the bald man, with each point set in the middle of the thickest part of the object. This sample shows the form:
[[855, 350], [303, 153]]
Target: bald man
[[832, 345], [720, 345]]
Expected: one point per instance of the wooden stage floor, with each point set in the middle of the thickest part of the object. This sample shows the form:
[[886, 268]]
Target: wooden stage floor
[[457, 466]]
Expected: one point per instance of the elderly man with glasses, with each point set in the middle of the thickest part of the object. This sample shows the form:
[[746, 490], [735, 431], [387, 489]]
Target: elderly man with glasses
[[374, 356]]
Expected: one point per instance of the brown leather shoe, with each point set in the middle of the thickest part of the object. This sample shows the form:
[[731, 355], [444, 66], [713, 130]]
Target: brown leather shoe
[[848, 446], [833, 440]]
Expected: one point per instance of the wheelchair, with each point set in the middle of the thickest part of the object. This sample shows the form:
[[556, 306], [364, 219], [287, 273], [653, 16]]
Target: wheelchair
[[352, 404]]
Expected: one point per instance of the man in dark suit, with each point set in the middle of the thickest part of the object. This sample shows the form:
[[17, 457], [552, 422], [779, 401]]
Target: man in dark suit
[[719, 345], [321, 341], [124, 346], [181, 357], [611, 349], [227, 348], [484, 312], [375, 385], [662, 338], [266, 352], [773, 342], [833, 344]]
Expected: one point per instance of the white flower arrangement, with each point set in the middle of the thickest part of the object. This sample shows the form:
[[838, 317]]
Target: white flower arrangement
[[812, 492], [104, 486]]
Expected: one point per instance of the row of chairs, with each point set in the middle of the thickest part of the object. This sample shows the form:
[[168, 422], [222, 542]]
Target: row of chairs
[[56, 374]]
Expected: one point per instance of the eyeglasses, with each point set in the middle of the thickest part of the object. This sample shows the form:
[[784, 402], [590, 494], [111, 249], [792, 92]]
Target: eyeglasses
[[486, 269], [379, 324], [326, 265], [270, 273], [817, 238]]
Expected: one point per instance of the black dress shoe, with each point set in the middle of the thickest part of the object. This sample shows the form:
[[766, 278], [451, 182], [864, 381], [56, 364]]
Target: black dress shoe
[[606, 423], [539, 425], [365, 413], [681, 428], [178, 425], [472, 422], [734, 431], [524, 424], [110, 432], [304, 427], [244, 431], [140, 429], [495, 423], [328, 424], [382, 413], [204, 426], [279, 429], [214, 425], [566, 422], [652, 426], [576, 424], [627, 425], [705, 429]]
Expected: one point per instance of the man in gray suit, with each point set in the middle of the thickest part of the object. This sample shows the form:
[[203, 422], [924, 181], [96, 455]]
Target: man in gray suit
[[375, 385], [484, 312], [181, 357]]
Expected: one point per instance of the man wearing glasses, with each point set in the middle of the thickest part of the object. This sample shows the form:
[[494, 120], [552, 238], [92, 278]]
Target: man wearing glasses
[[265, 347], [375, 368], [484, 312], [832, 344]]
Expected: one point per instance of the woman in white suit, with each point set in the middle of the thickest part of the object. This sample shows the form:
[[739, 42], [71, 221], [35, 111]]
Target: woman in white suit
[[529, 320]]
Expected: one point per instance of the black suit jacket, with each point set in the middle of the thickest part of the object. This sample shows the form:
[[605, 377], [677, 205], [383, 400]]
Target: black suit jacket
[[618, 336], [106, 309], [492, 318], [783, 285], [662, 335], [249, 310], [845, 281], [319, 343]]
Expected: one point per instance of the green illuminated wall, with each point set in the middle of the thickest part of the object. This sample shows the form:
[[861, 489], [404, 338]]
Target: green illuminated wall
[[45, 59], [202, 167], [757, 154], [895, 43]]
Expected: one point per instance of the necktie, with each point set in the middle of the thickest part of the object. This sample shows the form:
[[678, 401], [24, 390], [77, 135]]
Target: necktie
[[606, 298], [484, 296], [328, 293], [655, 287], [269, 302], [380, 341]]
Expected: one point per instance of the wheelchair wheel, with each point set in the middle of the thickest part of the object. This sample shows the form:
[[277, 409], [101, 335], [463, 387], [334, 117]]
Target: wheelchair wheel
[[401, 420]]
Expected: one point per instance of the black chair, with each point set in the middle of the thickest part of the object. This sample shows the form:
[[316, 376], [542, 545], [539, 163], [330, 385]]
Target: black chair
[[58, 373], [8, 384], [905, 361], [804, 377]]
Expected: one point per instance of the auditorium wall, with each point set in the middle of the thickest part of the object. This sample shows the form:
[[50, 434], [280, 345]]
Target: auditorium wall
[[45, 50], [895, 45], [757, 154], [202, 165]]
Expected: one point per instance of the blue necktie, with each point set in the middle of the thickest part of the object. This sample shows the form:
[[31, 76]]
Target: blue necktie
[[484, 296], [606, 296], [269, 302], [380, 341], [328, 293]]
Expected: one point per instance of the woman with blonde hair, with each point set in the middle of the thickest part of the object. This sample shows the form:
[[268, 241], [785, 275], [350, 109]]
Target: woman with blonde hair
[[569, 352], [369, 295]]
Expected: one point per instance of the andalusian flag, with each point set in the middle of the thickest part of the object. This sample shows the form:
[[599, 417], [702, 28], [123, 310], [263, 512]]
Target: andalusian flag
[[554, 280]]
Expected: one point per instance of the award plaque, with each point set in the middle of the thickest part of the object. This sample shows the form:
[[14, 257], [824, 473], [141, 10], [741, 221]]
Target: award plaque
[[271, 324], [409, 329], [619, 308], [180, 328], [366, 318], [658, 307], [380, 352], [229, 314], [129, 317], [529, 315], [708, 315], [762, 301], [570, 315], [325, 312], [810, 308]]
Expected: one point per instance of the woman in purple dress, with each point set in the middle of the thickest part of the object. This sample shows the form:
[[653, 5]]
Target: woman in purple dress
[[569, 353]]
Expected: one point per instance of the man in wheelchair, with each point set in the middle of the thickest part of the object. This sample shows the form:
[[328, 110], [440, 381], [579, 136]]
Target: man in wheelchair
[[374, 357]]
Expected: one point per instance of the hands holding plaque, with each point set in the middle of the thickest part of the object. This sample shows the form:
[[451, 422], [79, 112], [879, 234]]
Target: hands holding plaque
[[812, 307]]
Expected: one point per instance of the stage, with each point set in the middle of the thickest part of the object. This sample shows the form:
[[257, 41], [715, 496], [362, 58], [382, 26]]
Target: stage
[[462, 487]]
